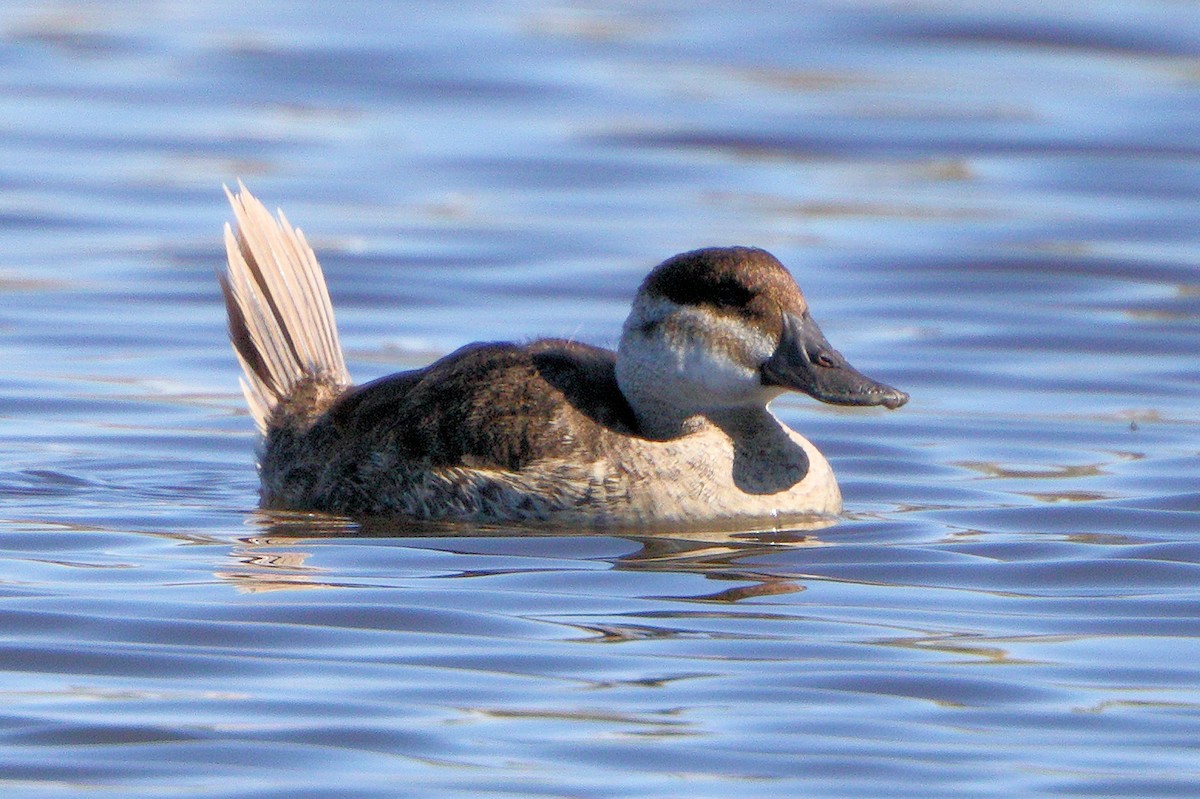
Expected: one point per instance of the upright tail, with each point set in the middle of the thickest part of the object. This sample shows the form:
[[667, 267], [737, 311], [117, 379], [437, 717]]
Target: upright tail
[[280, 317]]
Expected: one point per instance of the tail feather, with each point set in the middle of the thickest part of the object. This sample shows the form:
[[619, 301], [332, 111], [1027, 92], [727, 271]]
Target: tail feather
[[280, 316]]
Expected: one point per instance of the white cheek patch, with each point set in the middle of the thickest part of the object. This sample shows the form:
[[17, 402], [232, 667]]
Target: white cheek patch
[[704, 358], [719, 354]]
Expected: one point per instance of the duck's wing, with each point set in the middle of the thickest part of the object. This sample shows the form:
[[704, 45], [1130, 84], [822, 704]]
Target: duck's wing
[[495, 405]]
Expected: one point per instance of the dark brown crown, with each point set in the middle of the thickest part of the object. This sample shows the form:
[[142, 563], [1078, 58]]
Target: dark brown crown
[[745, 281]]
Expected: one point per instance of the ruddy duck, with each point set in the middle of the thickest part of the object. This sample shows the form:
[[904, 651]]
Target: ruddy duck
[[672, 429]]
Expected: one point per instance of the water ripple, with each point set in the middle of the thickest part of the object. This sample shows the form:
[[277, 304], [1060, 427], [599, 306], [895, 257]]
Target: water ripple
[[989, 206]]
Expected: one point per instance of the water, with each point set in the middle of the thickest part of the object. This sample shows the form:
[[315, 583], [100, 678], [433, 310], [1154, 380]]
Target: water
[[990, 206]]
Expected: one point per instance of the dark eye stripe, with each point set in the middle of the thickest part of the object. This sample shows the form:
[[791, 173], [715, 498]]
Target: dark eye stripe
[[730, 295], [725, 295]]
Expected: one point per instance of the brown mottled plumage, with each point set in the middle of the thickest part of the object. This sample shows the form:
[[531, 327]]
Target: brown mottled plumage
[[671, 429]]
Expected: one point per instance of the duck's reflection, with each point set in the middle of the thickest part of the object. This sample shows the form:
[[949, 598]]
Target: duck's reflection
[[274, 557], [270, 571]]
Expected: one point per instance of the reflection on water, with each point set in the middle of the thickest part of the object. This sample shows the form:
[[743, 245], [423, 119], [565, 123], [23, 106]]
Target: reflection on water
[[271, 562], [989, 206]]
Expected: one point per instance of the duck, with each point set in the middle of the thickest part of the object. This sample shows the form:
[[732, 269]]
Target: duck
[[671, 429]]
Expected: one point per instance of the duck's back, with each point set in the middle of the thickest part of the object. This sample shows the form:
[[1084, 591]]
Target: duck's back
[[481, 426]]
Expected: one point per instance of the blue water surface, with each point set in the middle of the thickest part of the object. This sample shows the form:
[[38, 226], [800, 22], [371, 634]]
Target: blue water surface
[[992, 206]]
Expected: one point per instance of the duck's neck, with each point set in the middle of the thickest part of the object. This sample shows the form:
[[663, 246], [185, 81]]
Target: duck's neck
[[663, 422], [656, 408], [661, 417]]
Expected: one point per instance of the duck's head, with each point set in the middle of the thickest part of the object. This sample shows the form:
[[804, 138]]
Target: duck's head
[[720, 329]]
